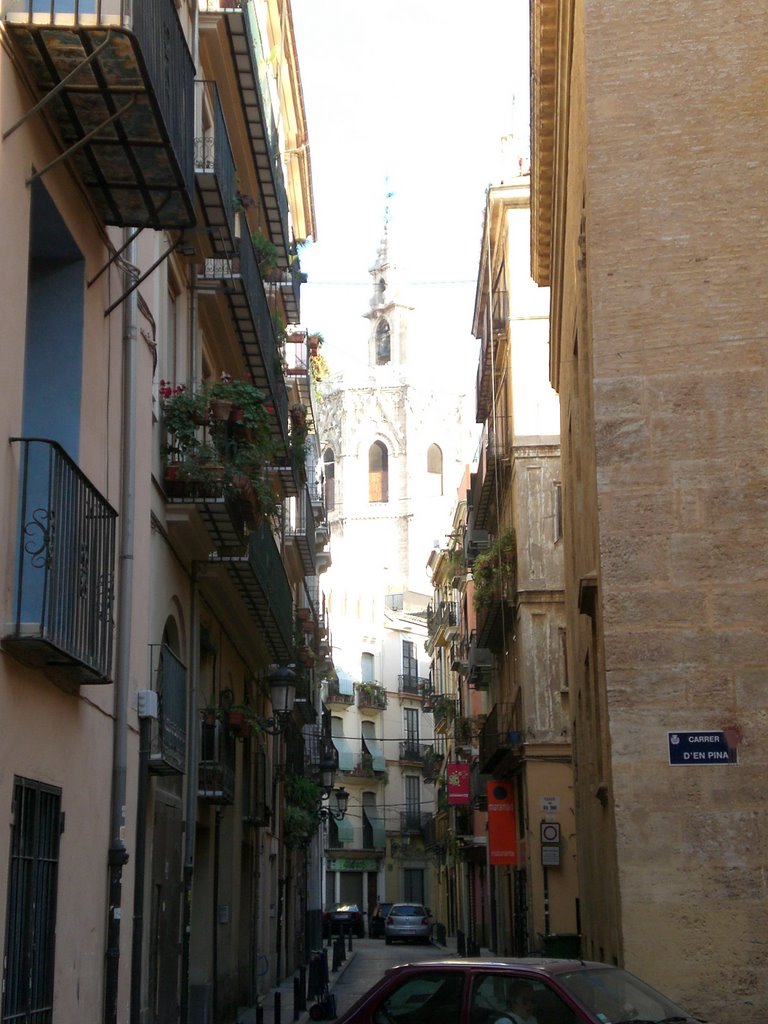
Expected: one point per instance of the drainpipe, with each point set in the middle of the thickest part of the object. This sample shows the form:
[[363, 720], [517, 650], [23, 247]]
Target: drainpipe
[[146, 715], [117, 854], [193, 736]]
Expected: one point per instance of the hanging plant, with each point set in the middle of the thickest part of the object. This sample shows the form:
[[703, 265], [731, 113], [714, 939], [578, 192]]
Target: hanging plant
[[493, 571], [302, 799], [266, 252]]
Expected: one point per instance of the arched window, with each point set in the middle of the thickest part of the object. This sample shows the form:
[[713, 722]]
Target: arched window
[[378, 472], [383, 346], [329, 476], [434, 470]]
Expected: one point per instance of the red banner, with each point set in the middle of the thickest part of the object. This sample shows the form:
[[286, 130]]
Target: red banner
[[458, 782], [502, 827]]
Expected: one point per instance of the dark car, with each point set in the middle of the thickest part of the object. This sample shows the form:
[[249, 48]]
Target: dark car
[[379, 916], [489, 991], [344, 918]]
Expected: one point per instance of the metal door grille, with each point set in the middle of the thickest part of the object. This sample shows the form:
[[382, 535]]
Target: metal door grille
[[31, 916]]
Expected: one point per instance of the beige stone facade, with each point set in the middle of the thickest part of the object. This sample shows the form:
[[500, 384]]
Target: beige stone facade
[[647, 184]]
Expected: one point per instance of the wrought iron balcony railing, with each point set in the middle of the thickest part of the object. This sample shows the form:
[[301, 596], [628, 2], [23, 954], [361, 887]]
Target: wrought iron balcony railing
[[63, 587], [215, 172], [260, 578], [495, 459], [414, 685], [499, 737], [168, 740], [300, 530], [216, 768], [371, 696], [252, 321], [250, 65], [412, 750], [414, 821]]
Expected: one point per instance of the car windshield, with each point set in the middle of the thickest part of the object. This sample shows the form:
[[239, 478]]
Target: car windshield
[[614, 996], [407, 910], [345, 908]]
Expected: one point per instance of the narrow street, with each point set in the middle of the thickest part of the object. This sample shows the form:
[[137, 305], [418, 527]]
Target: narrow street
[[371, 960]]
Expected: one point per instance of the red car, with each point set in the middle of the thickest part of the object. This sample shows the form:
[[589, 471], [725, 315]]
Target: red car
[[529, 991]]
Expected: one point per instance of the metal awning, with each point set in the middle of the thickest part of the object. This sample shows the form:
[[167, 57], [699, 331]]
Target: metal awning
[[124, 124]]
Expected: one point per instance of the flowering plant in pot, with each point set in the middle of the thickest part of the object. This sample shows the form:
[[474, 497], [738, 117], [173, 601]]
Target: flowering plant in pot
[[184, 412]]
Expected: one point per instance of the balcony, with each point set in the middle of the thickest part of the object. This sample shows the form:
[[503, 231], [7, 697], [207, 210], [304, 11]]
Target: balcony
[[480, 665], [493, 464], [442, 622], [63, 589], [260, 579], [495, 579], [490, 350], [168, 739], [238, 280], [300, 531], [216, 768], [499, 737], [431, 765], [215, 172], [371, 696], [495, 619], [124, 121], [250, 65], [335, 697], [413, 686], [414, 822], [297, 364], [413, 751]]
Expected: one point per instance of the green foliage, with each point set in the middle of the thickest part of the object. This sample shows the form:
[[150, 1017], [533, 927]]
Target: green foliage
[[266, 252], [226, 456], [302, 798], [493, 571]]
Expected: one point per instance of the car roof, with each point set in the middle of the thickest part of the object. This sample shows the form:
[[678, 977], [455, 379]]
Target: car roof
[[541, 965]]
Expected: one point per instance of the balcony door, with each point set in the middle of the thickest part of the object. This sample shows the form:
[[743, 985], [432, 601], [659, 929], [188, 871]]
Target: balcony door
[[411, 730], [413, 802]]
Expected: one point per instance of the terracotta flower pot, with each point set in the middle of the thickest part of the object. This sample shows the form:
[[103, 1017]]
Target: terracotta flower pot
[[220, 408]]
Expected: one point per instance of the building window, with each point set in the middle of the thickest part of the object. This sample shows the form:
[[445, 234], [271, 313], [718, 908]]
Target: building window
[[367, 674], [383, 343], [329, 479], [378, 473], [557, 511], [411, 731], [435, 471], [410, 661], [30, 928]]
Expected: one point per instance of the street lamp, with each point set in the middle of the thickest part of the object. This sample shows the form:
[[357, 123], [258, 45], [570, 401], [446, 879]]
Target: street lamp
[[281, 680], [342, 801]]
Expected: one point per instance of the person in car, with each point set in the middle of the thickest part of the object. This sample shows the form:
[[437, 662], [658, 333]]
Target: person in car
[[521, 1004]]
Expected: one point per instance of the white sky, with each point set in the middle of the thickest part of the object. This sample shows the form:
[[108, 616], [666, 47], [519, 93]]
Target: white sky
[[419, 93]]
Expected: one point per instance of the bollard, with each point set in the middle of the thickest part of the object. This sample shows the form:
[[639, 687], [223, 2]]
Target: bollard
[[349, 940], [259, 1014], [336, 960], [342, 948], [302, 987], [278, 1008], [296, 997]]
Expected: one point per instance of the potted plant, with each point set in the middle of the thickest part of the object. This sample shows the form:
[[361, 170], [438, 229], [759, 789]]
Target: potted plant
[[493, 571], [184, 412], [302, 798], [266, 252]]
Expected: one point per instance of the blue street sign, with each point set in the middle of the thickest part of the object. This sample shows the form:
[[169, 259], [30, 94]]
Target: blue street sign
[[700, 748]]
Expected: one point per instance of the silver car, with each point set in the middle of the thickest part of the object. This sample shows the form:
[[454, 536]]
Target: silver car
[[407, 921]]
